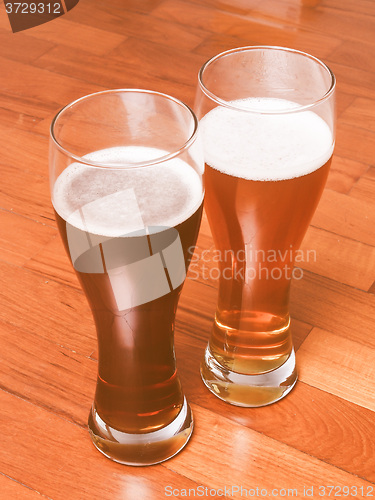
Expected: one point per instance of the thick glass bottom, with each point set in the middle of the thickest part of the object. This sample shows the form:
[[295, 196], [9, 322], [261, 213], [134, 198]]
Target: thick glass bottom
[[248, 390], [144, 448]]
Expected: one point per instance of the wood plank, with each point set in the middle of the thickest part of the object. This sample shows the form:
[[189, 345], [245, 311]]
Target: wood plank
[[139, 25], [363, 6], [252, 461], [34, 149], [79, 439], [26, 192], [339, 366], [40, 382], [12, 489], [63, 452], [232, 6], [356, 55], [21, 47], [370, 173], [146, 6], [108, 72], [344, 174], [46, 374], [53, 263], [360, 113], [335, 307], [355, 143], [40, 86], [338, 258], [354, 81], [48, 309], [260, 31], [173, 65], [343, 101], [198, 15], [311, 420], [11, 119], [346, 216], [71, 34], [21, 238], [344, 25], [364, 189], [24, 105], [216, 43]]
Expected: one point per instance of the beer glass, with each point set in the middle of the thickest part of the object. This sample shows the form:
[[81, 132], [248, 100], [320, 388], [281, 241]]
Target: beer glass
[[126, 172], [267, 120]]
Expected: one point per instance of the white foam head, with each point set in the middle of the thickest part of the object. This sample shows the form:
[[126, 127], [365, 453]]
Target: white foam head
[[265, 147], [115, 202]]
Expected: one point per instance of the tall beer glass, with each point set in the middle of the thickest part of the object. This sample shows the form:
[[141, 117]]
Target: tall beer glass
[[126, 181], [267, 121]]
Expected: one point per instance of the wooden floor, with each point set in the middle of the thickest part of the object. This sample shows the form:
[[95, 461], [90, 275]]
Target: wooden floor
[[323, 433]]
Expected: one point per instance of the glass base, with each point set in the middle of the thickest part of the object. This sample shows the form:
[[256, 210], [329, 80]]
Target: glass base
[[142, 449], [248, 390]]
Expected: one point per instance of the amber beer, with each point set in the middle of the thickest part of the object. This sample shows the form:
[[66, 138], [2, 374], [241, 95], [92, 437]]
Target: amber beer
[[127, 233], [265, 174]]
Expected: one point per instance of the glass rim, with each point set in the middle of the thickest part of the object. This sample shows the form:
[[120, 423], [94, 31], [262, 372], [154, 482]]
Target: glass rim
[[296, 109], [123, 166]]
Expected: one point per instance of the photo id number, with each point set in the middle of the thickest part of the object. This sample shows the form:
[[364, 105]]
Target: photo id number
[[33, 8], [345, 491]]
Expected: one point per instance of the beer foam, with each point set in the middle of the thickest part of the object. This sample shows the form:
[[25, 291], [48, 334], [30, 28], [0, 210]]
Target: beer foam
[[115, 202], [265, 147]]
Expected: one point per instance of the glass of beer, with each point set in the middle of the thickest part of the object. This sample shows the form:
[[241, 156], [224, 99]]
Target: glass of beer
[[126, 171], [268, 122]]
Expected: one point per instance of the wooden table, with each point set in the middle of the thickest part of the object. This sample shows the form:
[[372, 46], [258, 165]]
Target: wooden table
[[323, 433]]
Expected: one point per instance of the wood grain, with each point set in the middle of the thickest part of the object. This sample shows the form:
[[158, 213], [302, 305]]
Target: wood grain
[[339, 366], [23, 47], [53, 263], [71, 34], [360, 112], [108, 72], [51, 469], [346, 216], [47, 308], [335, 307], [338, 258], [364, 189], [48, 90], [140, 54], [13, 489], [24, 192], [253, 460], [324, 432], [344, 174], [47, 374], [302, 422], [13, 249]]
